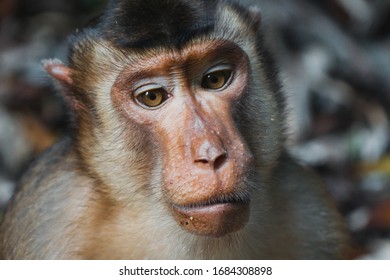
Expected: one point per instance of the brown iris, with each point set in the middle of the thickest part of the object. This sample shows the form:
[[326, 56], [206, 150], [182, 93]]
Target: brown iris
[[216, 80], [152, 98]]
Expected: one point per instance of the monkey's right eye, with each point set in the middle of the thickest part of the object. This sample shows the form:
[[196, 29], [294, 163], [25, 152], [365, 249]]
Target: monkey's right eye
[[152, 98]]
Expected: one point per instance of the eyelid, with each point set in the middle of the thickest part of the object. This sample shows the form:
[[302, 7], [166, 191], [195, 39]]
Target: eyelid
[[141, 89], [219, 67]]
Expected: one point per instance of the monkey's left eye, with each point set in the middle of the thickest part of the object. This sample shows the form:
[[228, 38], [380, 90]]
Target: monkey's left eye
[[216, 80], [152, 98]]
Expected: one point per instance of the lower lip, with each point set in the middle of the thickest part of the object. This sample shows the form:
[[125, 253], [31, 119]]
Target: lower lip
[[214, 220]]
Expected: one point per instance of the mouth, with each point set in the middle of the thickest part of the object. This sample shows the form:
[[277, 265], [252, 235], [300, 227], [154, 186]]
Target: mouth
[[214, 218]]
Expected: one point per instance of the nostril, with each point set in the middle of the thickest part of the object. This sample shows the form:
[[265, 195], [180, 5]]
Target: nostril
[[203, 161], [220, 160], [214, 162]]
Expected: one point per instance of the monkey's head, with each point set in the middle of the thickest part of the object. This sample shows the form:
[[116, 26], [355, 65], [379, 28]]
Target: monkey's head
[[177, 101]]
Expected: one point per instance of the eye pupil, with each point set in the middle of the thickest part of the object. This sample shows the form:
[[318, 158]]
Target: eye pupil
[[151, 95], [213, 79]]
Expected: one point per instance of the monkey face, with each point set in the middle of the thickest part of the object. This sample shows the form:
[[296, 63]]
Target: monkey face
[[191, 117], [185, 100]]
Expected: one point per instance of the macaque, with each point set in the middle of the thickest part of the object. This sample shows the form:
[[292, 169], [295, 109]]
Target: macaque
[[177, 148]]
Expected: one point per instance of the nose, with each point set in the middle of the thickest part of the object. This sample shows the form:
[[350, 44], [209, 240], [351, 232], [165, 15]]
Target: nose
[[209, 153]]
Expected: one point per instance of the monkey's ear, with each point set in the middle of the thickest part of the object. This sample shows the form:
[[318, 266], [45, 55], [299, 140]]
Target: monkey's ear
[[63, 74], [56, 69]]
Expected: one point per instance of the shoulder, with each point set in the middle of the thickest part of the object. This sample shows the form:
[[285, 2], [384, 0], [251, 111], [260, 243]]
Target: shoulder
[[51, 195], [311, 211]]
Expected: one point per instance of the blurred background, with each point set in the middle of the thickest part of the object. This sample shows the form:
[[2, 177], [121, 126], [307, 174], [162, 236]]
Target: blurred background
[[334, 58]]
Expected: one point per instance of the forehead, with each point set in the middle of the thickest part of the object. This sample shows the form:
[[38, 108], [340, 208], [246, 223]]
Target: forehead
[[196, 52]]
